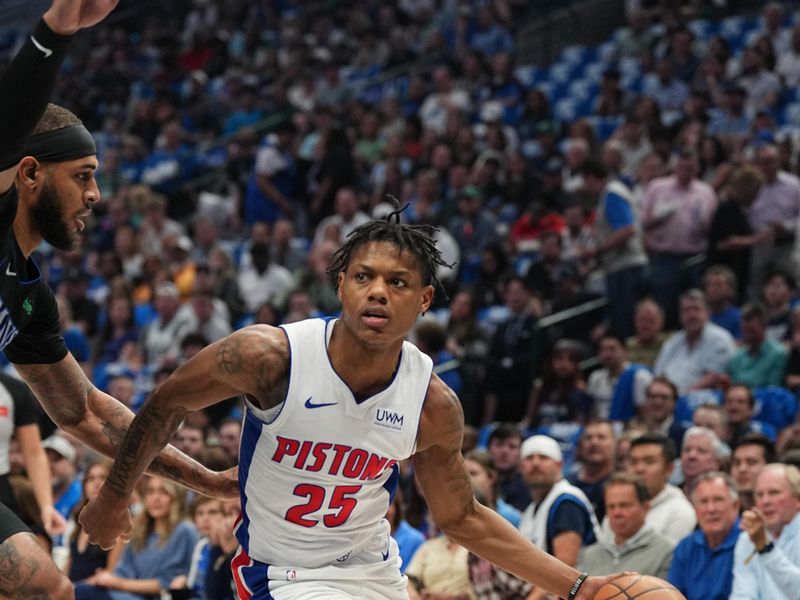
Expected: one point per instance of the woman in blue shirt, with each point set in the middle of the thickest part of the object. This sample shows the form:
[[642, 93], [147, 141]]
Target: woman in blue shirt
[[160, 549]]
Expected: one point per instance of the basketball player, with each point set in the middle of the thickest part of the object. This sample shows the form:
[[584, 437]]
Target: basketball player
[[47, 190], [332, 407]]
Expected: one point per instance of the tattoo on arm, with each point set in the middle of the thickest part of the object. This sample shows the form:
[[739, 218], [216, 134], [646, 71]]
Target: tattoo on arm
[[254, 358], [229, 356], [148, 433], [22, 575]]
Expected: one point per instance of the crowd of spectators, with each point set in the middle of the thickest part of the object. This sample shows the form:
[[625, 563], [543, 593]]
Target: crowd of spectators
[[623, 295]]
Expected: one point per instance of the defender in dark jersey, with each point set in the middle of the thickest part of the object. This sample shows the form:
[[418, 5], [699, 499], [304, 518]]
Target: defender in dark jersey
[[47, 191]]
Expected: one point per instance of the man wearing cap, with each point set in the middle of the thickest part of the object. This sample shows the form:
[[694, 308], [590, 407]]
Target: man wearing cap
[[47, 192], [66, 487], [560, 519]]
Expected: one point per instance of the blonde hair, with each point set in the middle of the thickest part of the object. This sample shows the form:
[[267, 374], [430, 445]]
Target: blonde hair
[[144, 525]]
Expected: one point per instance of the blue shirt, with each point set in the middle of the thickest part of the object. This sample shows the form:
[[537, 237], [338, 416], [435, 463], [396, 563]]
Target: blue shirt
[[408, 540], [67, 501], [619, 213], [508, 512], [729, 319], [702, 573], [155, 561]]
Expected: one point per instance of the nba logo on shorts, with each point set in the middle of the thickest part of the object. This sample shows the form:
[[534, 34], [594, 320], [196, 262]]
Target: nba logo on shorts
[[291, 575]]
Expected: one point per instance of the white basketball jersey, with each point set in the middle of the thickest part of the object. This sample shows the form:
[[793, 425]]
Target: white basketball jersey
[[318, 477]]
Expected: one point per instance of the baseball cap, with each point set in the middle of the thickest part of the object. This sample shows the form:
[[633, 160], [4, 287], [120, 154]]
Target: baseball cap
[[541, 444], [60, 446], [167, 289]]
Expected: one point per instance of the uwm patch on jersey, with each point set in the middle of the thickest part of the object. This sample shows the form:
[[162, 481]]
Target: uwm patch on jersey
[[318, 478]]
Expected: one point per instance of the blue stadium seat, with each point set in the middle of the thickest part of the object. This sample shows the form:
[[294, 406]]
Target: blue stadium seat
[[700, 28], [581, 89], [566, 109], [561, 72], [789, 114], [528, 75], [732, 26], [629, 66], [606, 51], [593, 71], [547, 88]]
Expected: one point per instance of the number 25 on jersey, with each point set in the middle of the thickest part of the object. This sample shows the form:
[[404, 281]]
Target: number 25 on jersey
[[341, 504]]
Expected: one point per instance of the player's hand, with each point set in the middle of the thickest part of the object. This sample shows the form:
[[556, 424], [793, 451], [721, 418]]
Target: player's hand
[[754, 524], [66, 17], [106, 519], [54, 523], [592, 585], [225, 485]]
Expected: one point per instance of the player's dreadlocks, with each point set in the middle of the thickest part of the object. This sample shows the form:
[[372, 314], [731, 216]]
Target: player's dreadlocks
[[417, 240]]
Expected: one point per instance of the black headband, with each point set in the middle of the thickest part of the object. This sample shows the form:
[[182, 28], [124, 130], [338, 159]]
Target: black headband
[[60, 145]]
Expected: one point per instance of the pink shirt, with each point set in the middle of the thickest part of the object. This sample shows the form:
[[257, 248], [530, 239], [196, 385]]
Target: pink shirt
[[690, 210]]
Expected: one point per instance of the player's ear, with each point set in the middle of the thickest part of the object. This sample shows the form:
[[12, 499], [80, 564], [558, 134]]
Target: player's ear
[[29, 171], [427, 299], [339, 283]]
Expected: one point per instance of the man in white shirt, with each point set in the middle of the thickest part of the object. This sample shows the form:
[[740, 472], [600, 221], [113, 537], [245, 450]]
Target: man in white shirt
[[440, 103], [263, 280], [766, 563], [694, 357], [346, 218], [652, 457]]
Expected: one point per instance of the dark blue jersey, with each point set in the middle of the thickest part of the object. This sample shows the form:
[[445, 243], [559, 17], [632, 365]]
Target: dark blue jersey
[[29, 323]]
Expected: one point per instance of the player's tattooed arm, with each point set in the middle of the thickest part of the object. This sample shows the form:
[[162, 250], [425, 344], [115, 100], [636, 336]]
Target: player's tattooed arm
[[101, 422], [438, 464], [254, 360], [249, 361]]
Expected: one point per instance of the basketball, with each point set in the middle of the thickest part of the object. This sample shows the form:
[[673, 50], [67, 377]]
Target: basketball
[[641, 587]]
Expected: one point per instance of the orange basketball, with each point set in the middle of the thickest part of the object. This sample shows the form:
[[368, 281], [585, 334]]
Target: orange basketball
[[641, 587]]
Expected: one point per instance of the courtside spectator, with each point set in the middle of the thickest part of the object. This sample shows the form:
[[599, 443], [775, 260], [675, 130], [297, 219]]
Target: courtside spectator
[[771, 535], [652, 457], [560, 520], [504, 445], [631, 544], [702, 565], [596, 455], [752, 452]]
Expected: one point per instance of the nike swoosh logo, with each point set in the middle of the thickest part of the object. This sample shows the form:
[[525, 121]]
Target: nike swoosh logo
[[44, 50], [385, 555], [310, 404], [9, 272]]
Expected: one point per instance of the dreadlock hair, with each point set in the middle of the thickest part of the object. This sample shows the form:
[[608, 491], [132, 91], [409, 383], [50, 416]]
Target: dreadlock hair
[[417, 240]]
